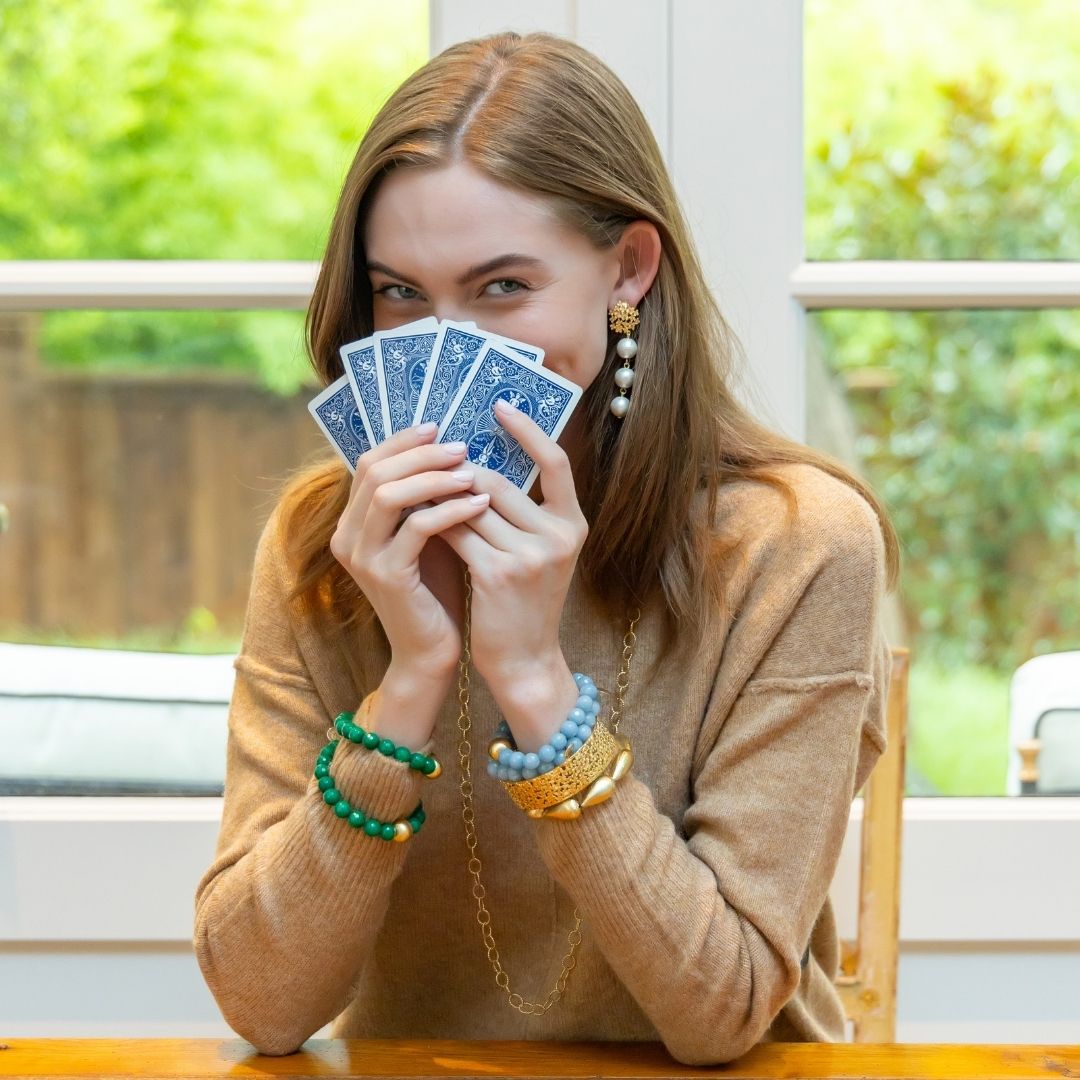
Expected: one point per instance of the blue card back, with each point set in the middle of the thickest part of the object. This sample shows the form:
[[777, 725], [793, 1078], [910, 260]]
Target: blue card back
[[401, 359], [455, 351], [546, 397], [336, 413], [359, 361]]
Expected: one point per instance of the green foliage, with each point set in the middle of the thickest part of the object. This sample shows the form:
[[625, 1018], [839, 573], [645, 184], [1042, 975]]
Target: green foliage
[[964, 114], [963, 747], [181, 129], [976, 451], [973, 435]]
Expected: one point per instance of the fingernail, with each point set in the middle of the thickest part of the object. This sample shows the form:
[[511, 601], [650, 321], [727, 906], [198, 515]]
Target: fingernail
[[454, 447], [427, 429], [503, 406], [478, 499], [463, 474]]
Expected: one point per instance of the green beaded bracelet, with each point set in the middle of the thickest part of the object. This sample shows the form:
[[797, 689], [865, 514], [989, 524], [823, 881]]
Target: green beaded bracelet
[[400, 830], [344, 726]]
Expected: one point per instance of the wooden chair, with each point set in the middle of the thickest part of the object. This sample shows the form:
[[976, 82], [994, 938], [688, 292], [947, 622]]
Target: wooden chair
[[867, 979]]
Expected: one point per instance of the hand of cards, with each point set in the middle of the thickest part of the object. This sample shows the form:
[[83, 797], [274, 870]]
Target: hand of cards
[[450, 373]]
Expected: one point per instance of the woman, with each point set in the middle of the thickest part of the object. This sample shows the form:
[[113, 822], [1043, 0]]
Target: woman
[[719, 582]]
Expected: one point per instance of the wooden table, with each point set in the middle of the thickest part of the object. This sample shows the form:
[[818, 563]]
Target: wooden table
[[197, 1058]]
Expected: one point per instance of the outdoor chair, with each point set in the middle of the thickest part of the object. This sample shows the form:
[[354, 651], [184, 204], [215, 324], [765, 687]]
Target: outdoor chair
[[1044, 726]]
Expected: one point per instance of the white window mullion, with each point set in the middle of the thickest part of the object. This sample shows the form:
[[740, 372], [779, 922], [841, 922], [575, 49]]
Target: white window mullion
[[908, 285], [738, 166], [128, 284], [880, 285]]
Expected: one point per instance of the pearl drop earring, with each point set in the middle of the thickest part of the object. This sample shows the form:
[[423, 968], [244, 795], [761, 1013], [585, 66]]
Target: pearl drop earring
[[622, 319]]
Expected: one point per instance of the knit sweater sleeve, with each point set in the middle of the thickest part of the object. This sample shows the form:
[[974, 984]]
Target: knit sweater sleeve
[[705, 920], [288, 911]]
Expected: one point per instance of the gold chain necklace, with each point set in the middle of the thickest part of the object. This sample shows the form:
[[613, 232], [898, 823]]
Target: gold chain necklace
[[483, 917]]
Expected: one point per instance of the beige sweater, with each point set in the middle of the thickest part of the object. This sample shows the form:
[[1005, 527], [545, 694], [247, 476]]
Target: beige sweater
[[702, 883]]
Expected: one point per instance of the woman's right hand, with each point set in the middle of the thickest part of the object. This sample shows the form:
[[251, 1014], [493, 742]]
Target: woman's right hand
[[382, 553]]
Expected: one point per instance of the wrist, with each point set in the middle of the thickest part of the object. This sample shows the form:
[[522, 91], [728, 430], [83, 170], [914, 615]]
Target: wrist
[[408, 685], [408, 703], [535, 701]]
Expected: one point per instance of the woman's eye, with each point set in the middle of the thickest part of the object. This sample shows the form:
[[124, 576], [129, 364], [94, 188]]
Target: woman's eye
[[386, 291], [500, 290]]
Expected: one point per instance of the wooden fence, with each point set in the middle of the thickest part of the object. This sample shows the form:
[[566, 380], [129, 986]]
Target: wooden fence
[[133, 500]]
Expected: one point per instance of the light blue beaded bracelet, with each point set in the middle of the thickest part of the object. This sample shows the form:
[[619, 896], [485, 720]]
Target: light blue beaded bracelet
[[512, 764]]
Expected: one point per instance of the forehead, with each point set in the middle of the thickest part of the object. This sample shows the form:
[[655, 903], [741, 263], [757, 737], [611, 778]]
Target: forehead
[[458, 208]]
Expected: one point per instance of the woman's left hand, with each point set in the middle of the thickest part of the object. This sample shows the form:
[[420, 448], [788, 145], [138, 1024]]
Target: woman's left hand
[[521, 557]]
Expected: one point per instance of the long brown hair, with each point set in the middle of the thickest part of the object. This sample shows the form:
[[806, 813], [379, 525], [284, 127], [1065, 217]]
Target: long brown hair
[[543, 114]]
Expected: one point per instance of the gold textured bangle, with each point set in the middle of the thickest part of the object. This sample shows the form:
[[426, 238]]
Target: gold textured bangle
[[600, 790], [577, 772]]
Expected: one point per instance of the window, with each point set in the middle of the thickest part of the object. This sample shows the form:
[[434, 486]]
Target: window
[[159, 238], [964, 420]]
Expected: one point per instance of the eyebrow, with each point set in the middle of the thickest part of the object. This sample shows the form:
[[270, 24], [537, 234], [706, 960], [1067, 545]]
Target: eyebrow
[[498, 263]]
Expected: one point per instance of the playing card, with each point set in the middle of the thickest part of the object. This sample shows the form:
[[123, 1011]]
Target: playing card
[[336, 412], [457, 347], [401, 358], [359, 360], [533, 353], [453, 354], [498, 372]]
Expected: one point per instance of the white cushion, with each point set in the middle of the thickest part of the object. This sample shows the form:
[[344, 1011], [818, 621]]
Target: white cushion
[[102, 721]]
